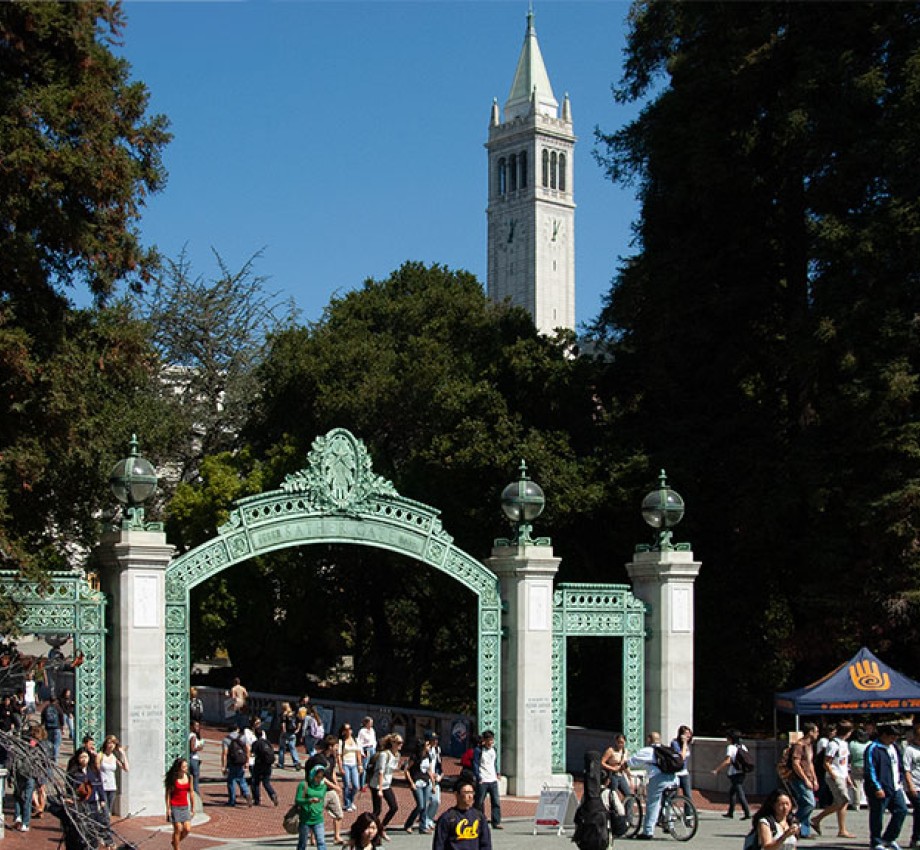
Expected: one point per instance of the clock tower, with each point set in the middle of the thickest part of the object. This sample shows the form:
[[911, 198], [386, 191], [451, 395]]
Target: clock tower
[[531, 212]]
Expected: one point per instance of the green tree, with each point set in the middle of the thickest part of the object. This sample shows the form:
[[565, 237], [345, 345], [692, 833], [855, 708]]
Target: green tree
[[448, 392], [78, 155], [764, 338], [210, 335]]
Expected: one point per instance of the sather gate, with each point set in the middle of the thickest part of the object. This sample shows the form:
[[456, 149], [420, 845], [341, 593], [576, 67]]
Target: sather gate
[[336, 498]]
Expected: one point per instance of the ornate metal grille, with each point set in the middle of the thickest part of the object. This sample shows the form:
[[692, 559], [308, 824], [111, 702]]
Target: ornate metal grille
[[599, 610]]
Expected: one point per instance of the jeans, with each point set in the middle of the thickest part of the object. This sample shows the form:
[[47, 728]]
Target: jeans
[[805, 803], [736, 792], [619, 782], [54, 738], [288, 744], [368, 755], [261, 775], [422, 796], [318, 830], [22, 801], [897, 805], [434, 803], [235, 776], [656, 786], [194, 768], [685, 789], [68, 719], [490, 789], [352, 781]]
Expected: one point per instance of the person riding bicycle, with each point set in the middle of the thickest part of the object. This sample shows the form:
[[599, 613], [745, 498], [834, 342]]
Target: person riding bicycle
[[658, 781]]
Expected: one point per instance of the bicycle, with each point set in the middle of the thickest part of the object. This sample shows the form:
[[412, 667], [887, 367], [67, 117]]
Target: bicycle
[[678, 816]]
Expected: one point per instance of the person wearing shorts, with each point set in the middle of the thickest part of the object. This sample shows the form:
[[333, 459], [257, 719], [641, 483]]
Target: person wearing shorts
[[180, 801], [837, 777]]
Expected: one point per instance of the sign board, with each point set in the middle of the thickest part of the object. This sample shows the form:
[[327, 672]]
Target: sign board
[[555, 809]]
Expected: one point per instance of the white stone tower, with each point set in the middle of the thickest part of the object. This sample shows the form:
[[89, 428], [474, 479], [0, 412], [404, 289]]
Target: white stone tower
[[531, 212]]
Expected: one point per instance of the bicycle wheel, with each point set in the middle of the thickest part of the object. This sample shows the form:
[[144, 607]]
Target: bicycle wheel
[[632, 806], [679, 817]]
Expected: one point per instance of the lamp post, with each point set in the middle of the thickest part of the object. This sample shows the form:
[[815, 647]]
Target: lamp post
[[662, 509], [522, 502], [134, 481]]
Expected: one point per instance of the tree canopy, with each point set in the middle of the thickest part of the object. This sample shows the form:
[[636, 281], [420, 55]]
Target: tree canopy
[[78, 156], [765, 337]]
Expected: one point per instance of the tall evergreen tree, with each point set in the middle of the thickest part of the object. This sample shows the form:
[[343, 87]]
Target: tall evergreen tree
[[78, 155], [766, 333]]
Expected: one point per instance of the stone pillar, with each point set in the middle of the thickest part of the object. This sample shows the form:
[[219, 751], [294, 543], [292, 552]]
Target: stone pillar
[[134, 576], [663, 579], [526, 575]]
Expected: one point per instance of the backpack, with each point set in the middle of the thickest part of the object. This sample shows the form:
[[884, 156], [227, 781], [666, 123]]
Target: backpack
[[667, 760], [752, 839], [784, 765], [236, 751], [264, 752], [743, 760]]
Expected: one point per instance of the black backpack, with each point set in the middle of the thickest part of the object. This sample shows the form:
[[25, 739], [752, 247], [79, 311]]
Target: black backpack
[[236, 751], [743, 761], [667, 760], [264, 752]]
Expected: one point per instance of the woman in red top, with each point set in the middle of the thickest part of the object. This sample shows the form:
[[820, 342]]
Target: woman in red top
[[180, 800]]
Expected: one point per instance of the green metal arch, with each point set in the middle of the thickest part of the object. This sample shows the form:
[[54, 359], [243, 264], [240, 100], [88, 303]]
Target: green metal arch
[[336, 498], [66, 603]]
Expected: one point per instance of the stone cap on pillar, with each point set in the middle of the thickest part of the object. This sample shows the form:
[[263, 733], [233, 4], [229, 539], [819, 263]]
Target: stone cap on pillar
[[663, 563], [524, 559]]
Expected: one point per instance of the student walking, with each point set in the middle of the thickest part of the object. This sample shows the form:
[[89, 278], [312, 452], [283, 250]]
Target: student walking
[[180, 801]]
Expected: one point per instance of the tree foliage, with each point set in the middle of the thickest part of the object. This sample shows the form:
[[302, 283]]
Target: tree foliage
[[78, 155], [448, 392], [210, 334], [765, 336]]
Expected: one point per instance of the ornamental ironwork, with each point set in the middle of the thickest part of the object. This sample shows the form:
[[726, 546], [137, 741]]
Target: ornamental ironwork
[[599, 610], [336, 498], [66, 603]]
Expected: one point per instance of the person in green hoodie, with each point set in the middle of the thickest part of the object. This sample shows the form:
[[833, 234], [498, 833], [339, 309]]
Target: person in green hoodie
[[310, 799]]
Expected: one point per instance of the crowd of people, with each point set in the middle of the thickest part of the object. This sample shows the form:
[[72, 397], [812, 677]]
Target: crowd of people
[[827, 773], [338, 767]]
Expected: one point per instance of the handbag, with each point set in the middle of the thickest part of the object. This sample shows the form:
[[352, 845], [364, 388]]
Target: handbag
[[291, 821]]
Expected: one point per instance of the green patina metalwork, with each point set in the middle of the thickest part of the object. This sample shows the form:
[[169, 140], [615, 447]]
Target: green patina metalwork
[[599, 610], [68, 604], [336, 498]]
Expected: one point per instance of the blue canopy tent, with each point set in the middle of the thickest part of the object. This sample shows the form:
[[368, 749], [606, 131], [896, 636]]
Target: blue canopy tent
[[862, 685]]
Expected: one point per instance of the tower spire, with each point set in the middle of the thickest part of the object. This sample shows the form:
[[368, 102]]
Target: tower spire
[[531, 79]]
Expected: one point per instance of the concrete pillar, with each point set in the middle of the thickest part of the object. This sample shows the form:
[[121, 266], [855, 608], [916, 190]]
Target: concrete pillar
[[134, 568], [664, 581], [526, 575]]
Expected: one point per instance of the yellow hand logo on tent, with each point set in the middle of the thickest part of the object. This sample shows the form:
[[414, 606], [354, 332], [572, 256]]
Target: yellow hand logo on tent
[[866, 676]]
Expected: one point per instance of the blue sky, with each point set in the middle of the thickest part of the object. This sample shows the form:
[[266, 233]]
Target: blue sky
[[344, 138]]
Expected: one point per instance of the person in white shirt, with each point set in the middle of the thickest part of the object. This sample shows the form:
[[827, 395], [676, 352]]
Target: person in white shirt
[[837, 777], [657, 782], [485, 769], [367, 740]]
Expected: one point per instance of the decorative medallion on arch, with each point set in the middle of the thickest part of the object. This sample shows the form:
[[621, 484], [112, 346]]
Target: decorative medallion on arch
[[599, 610], [335, 498], [68, 604]]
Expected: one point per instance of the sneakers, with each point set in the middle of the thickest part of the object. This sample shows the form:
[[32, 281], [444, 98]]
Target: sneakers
[[893, 845]]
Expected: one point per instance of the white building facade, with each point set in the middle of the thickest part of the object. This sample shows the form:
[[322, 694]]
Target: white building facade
[[531, 211]]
